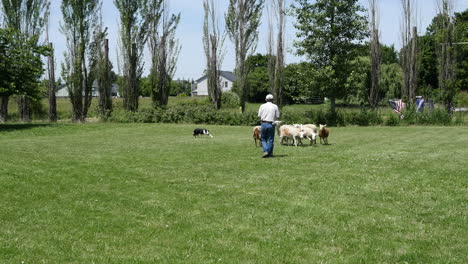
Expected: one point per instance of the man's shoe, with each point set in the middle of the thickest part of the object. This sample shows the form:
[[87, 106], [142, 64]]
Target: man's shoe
[[265, 155]]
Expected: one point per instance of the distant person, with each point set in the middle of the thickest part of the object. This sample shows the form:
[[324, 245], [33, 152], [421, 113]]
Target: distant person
[[268, 114]]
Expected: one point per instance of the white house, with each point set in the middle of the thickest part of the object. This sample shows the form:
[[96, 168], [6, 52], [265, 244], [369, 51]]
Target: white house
[[62, 91], [227, 80]]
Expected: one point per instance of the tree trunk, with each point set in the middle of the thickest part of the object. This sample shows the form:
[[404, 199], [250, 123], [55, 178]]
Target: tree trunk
[[413, 78], [105, 85], [279, 65], [214, 73], [51, 88], [333, 104], [4, 109], [108, 80], [131, 100], [163, 85], [24, 109], [88, 91], [376, 57]]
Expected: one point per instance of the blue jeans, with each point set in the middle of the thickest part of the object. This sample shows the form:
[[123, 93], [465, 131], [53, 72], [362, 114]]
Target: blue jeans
[[268, 137]]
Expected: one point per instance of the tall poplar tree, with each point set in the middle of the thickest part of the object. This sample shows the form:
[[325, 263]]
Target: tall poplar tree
[[80, 18], [164, 49], [51, 87], [445, 48], [242, 22], [409, 52], [276, 12], [375, 55], [327, 31], [133, 36], [101, 68], [213, 41]]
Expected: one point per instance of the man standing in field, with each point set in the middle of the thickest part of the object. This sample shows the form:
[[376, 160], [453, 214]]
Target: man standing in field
[[268, 114]]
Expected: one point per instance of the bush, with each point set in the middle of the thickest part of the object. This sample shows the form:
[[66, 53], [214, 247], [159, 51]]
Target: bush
[[202, 113], [363, 118], [314, 117], [428, 117], [335, 119], [435, 117], [293, 117], [392, 120], [461, 99], [39, 110], [459, 118], [230, 100]]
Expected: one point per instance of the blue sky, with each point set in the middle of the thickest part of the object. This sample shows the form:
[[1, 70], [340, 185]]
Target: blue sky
[[191, 60]]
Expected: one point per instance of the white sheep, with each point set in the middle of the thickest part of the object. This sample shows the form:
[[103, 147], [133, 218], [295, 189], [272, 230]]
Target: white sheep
[[312, 126], [310, 134], [288, 131]]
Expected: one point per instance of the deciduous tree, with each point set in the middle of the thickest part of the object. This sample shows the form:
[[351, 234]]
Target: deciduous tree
[[409, 52], [27, 18], [327, 31], [164, 49], [277, 12], [80, 19], [461, 34], [133, 36], [242, 22], [21, 67], [213, 41], [375, 56]]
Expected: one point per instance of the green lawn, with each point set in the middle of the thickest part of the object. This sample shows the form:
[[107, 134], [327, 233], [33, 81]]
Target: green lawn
[[151, 193]]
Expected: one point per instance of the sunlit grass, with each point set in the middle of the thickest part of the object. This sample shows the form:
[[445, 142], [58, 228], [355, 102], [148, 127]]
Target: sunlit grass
[[151, 193]]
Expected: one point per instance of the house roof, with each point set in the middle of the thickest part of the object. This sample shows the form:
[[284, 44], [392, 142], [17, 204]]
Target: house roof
[[226, 74]]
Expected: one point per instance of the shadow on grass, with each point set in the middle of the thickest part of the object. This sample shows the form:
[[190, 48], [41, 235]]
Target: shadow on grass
[[16, 127], [277, 156]]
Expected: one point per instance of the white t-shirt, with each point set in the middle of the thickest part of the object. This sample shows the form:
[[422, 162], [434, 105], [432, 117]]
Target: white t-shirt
[[268, 112]]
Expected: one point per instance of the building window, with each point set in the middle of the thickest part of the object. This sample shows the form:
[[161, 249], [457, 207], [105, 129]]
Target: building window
[[226, 84]]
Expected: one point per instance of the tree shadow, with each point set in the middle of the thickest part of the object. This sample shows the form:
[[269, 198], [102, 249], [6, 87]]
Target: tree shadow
[[17, 127]]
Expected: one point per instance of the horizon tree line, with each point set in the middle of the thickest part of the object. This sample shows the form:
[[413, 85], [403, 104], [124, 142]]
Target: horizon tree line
[[149, 24]]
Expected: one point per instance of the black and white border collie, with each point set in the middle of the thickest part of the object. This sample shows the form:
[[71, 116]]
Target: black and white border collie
[[201, 131]]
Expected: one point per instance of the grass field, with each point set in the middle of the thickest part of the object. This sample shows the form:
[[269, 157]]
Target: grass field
[[151, 193]]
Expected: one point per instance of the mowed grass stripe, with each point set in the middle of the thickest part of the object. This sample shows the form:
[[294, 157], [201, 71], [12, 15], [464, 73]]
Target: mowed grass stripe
[[151, 193]]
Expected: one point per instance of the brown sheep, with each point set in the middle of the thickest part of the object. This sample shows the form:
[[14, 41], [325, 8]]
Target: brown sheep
[[257, 135], [323, 134]]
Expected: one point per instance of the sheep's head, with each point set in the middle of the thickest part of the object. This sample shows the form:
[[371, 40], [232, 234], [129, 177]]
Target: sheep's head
[[314, 136], [322, 127], [301, 134]]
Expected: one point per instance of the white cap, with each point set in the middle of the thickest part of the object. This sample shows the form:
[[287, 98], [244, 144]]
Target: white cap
[[269, 97]]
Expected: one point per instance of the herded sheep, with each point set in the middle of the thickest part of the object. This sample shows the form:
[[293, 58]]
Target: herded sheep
[[257, 135], [288, 131], [312, 126], [310, 134], [323, 134]]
